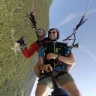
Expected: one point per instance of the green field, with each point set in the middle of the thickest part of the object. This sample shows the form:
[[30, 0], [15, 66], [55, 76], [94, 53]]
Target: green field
[[16, 72]]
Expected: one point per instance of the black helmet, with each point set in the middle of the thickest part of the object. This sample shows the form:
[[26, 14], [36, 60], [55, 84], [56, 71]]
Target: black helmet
[[58, 33], [42, 31]]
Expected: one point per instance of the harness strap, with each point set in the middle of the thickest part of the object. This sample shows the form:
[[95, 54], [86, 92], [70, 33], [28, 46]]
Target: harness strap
[[48, 75]]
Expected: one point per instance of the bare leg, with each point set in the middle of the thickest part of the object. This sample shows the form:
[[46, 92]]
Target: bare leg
[[42, 90], [37, 71], [72, 88]]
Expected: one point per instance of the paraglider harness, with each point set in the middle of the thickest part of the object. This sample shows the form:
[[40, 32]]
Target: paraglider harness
[[57, 65]]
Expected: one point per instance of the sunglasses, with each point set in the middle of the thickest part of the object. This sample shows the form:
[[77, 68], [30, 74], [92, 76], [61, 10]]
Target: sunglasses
[[52, 32]]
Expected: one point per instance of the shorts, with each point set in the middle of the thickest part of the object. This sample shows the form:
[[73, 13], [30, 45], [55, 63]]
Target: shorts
[[62, 79]]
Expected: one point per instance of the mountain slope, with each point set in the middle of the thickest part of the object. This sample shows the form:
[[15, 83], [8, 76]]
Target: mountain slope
[[16, 72]]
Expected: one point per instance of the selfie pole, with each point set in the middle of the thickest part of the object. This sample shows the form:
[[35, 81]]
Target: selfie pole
[[58, 91]]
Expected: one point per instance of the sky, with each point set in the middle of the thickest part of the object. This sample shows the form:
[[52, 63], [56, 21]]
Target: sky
[[65, 15]]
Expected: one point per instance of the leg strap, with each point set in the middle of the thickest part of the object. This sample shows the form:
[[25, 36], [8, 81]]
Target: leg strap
[[48, 75]]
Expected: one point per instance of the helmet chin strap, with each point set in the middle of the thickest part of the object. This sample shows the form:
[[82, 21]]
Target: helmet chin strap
[[40, 37], [53, 39]]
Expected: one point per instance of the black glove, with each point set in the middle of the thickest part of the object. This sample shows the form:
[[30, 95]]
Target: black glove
[[21, 41]]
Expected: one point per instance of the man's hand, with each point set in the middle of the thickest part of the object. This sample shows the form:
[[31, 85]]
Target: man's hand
[[21, 41], [47, 67], [52, 56]]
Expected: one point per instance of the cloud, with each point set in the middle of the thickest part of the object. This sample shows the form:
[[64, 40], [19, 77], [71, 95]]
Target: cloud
[[73, 16], [68, 19], [88, 52], [91, 12]]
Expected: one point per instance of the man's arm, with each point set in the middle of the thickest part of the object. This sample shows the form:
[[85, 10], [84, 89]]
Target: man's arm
[[29, 52], [68, 60]]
